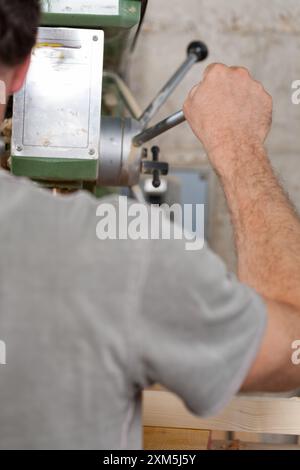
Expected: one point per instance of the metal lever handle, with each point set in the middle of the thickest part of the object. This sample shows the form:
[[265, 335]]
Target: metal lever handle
[[159, 128], [197, 51]]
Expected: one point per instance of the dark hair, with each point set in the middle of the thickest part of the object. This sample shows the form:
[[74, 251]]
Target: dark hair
[[19, 21]]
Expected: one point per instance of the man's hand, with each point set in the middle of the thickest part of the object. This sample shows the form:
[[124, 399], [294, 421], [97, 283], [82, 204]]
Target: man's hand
[[228, 108], [231, 114]]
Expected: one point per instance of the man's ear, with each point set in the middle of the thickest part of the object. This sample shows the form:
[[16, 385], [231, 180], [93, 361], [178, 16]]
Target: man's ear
[[18, 76]]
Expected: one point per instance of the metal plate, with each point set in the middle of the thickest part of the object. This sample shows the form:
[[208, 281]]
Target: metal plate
[[193, 189], [57, 114], [87, 7]]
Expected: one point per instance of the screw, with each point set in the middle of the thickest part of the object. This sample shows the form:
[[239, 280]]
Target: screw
[[156, 179], [155, 153], [92, 151], [95, 38], [19, 148]]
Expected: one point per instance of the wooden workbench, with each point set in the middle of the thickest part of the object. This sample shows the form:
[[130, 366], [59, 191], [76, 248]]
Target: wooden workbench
[[168, 424]]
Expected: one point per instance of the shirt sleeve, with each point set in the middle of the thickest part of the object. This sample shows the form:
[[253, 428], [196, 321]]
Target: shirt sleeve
[[198, 329]]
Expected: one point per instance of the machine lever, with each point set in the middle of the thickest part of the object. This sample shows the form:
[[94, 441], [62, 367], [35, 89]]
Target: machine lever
[[159, 128], [196, 52]]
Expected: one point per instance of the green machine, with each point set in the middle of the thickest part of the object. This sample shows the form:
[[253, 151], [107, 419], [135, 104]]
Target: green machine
[[76, 123]]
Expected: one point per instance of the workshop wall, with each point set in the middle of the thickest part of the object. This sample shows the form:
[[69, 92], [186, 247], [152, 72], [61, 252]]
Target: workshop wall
[[263, 35]]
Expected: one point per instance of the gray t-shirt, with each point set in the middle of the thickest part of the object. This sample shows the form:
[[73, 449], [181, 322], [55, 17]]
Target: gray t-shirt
[[88, 324]]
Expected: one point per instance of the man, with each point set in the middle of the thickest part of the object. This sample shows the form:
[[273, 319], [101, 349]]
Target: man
[[89, 324]]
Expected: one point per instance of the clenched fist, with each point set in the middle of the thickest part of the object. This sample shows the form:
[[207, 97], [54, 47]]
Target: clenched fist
[[228, 109]]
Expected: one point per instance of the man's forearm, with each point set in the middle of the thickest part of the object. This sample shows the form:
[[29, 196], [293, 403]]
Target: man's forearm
[[231, 114], [267, 233], [267, 228]]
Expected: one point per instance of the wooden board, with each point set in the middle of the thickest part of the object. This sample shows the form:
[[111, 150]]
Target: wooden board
[[240, 445], [244, 413], [156, 438]]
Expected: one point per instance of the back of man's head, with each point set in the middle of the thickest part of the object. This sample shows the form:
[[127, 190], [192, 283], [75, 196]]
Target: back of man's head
[[19, 21], [18, 27]]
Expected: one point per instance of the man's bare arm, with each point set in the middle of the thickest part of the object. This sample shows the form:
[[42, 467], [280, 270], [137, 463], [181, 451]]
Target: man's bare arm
[[267, 228], [231, 114], [273, 369]]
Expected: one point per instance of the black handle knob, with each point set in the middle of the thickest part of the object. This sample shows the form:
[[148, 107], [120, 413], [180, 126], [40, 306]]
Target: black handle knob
[[155, 167], [156, 175], [199, 49]]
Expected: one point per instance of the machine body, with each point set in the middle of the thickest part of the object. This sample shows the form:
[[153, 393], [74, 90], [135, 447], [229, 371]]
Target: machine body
[[56, 116], [64, 133]]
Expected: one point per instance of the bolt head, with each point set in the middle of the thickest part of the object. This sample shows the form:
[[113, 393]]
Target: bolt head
[[156, 184]]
